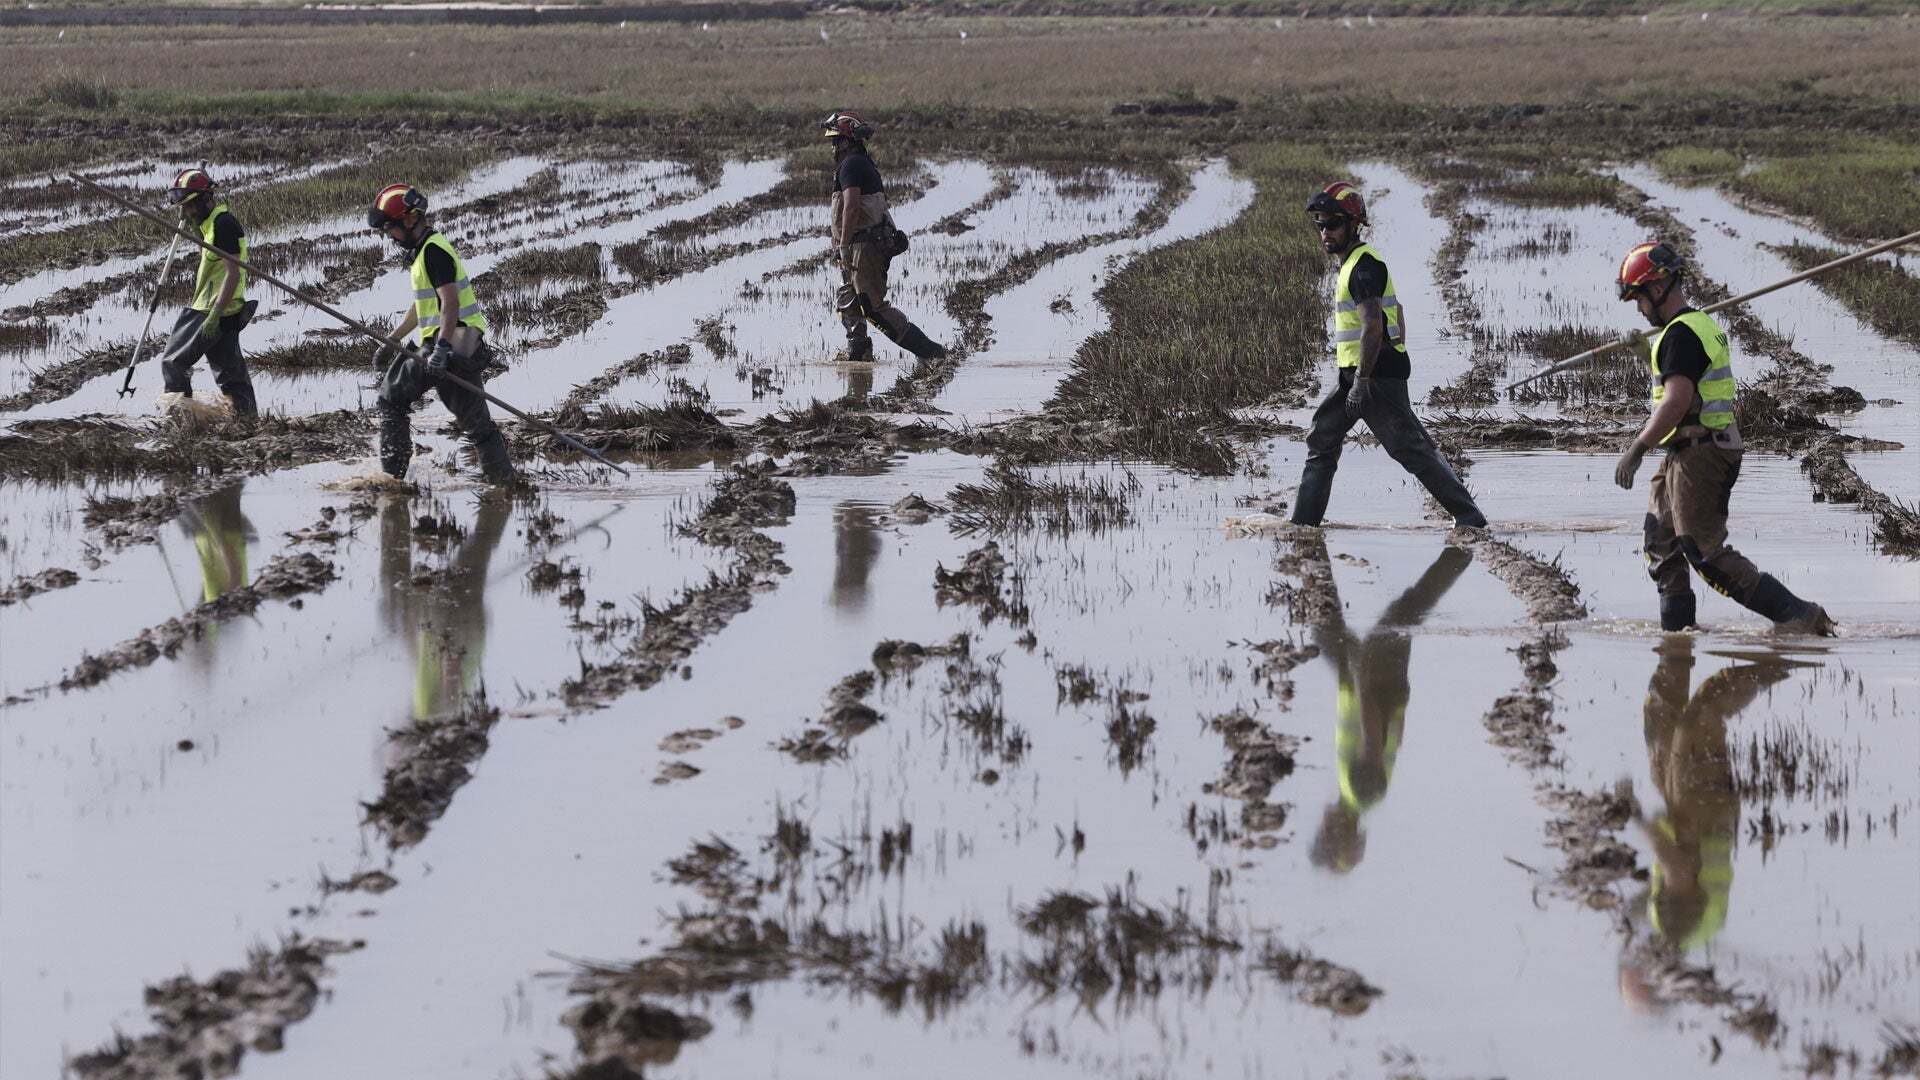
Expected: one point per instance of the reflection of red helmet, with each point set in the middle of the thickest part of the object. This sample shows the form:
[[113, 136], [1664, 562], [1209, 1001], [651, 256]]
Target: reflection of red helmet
[[1340, 199], [845, 123], [393, 204], [190, 183], [1647, 263]]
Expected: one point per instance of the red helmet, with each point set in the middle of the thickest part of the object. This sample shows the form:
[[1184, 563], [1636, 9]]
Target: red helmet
[[845, 123], [393, 204], [1339, 200], [1647, 263], [189, 184]]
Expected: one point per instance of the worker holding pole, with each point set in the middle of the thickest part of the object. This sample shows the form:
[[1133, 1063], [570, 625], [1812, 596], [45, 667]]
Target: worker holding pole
[[446, 313], [211, 324], [1693, 421]]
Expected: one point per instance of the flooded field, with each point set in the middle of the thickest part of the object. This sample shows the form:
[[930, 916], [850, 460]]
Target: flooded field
[[841, 734]]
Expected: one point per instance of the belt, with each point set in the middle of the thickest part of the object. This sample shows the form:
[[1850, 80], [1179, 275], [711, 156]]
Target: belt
[[1682, 442]]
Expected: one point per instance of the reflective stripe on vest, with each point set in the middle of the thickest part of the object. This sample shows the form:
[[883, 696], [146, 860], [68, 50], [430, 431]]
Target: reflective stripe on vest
[[426, 298], [213, 271], [1347, 328], [1349, 748], [1716, 383], [1714, 883]]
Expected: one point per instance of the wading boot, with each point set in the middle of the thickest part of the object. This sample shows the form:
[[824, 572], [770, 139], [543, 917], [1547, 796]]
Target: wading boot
[[1789, 613], [495, 465], [1813, 619], [920, 345], [1676, 612], [396, 440], [859, 349]]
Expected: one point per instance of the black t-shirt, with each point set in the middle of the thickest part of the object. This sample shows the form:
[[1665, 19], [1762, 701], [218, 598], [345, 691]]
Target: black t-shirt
[[227, 233], [1368, 281], [858, 170], [440, 270]]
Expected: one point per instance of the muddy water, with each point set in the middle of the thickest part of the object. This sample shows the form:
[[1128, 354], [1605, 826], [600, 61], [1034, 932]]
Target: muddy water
[[226, 833], [1039, 324], [1734, 244]]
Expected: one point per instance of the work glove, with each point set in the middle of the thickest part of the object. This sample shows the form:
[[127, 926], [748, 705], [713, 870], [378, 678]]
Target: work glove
[[439, 358], [1358, 395], [210, 328], [1629, 464]]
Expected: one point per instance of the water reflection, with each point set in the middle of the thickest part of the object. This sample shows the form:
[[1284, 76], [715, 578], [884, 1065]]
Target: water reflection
[[1684, 906], [856, 547], [219, 531], [1372, 704], [437, 603], [858, 379]]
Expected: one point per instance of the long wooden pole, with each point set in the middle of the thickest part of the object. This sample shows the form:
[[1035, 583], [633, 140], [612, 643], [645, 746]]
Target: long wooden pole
[[140, 344], [1635, 339], [349, 320]]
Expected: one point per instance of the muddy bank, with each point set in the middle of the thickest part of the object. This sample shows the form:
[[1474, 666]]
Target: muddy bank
[[430, 760], [1896, 528], [982, 582], [56, 381], [206, 1028], [1261, 758], [1545, 587], [846, 716], [744, 501], [287, 576], [96, 446]]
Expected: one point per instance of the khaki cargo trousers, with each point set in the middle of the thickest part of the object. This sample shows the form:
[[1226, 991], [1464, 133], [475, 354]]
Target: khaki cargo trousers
[[1687, 524], [864, 270]]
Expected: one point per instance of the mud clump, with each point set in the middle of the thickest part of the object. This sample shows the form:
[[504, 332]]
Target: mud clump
[[431, 759], [286, 576], [1545, 587], [207, 1027], [1585, 832], [619, 1034], [1260, 759], [896, 657], [1275, 666], [981, 580], [846, 717], [1521, 723], [124, 520], [1313, 600], [28, 586], [1320, 983]]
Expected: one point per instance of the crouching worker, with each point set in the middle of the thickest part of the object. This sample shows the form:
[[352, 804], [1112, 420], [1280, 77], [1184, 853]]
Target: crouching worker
[[219, 310], [446, 312]]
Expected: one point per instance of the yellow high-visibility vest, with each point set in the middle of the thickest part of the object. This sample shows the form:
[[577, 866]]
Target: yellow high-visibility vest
[[1716, 383], [1347, 327], [426, 298], [213, 271]]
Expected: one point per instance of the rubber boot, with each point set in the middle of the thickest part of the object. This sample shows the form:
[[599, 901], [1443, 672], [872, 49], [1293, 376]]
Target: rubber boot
[[920, 345], [859, 349], [1676, 611], [1775, 601], [396, 440], [495, 465]]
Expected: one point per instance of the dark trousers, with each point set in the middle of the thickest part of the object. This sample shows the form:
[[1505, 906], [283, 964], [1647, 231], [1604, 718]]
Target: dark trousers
[[185, 346], [407, 381], [1390, 417]]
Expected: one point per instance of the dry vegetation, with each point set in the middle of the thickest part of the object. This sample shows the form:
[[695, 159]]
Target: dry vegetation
[[924, 63]]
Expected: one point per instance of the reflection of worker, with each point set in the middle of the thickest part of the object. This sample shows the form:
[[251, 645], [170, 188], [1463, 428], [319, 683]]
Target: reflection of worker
[[446, 312], [1693, 421], [445, 624], [1693, 835], [856, 545], [1370, 347], [1373, 706], [865, 243], [219, 531], [211, 324]]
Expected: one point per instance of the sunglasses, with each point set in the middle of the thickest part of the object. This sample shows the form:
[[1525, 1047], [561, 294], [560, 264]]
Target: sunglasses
[[1328, 224]]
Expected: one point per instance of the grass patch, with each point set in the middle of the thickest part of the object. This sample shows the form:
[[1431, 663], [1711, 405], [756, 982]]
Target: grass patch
[[1697, 164], [1883, 295], [1563, 187], [263, 210], [1855, 192], [1011, 500], [75, 92], [1232, 318]]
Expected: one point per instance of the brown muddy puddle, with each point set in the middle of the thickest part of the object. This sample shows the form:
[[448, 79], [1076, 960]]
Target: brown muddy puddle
[[1103, 822]]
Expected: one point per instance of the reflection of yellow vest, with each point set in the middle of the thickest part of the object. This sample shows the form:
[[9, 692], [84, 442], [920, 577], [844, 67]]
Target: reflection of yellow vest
[[1716, 383], [1349, 738], [213, 271], [426, 298], [1715, 882], [223, 559], [1347, 326], [430, 692]]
